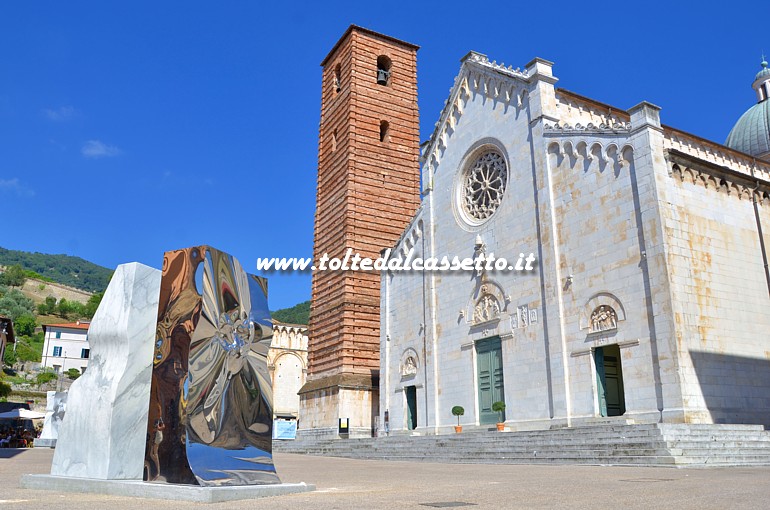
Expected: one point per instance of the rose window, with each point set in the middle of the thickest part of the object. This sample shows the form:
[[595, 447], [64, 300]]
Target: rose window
[[483, 186]]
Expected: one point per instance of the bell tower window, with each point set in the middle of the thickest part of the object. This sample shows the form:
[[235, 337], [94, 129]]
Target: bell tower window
[[337, 78], [383, 70]]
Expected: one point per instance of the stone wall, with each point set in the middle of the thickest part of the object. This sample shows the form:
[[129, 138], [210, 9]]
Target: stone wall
[[38, 290], [720, 292]]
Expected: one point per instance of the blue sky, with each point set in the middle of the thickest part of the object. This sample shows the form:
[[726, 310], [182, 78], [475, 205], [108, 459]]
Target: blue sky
[[131, 128]]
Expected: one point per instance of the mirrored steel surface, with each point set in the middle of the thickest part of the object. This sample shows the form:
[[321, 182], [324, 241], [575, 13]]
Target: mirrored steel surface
[[211, 399]]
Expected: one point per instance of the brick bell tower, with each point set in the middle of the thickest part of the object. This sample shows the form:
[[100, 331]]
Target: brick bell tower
[[368, 191]]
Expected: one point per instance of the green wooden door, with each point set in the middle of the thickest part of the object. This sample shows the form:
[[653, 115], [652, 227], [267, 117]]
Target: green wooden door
[[601, 393], [613, 381], [609, 381], [411, 407], [489, 356]]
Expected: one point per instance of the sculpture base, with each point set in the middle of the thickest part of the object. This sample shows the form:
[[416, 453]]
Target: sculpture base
[[140, 489]]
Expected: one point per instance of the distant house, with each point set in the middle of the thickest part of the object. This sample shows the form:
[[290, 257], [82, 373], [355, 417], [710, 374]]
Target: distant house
[[66, 346], [6, 334]]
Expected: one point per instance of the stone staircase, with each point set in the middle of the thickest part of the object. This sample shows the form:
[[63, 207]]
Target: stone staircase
[[662, 444]]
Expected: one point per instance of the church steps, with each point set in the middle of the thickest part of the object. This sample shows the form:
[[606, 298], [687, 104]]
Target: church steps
[[617, 444], [579, 450]]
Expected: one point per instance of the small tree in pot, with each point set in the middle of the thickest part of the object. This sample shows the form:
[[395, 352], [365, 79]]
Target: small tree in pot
[[499, 408], [458, 411]]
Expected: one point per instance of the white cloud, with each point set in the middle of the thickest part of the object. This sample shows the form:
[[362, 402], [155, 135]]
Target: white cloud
[[60, 114], [14, 186], [95, 149]]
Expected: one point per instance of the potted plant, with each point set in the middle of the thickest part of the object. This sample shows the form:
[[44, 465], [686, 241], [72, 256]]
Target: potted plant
[[499, 407], [458, 411]]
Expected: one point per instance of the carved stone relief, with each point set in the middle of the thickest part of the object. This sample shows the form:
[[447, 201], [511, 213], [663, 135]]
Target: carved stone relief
[[487, 308], [409, 364], [603, 318]]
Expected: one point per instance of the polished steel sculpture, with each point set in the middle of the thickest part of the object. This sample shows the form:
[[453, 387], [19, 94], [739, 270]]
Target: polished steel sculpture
[[210, 419]]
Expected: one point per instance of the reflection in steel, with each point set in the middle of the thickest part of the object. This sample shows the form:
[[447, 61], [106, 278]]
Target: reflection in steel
[[210, 416]]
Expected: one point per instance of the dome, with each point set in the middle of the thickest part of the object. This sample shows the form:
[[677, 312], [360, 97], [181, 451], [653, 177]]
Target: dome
[[751, 134]]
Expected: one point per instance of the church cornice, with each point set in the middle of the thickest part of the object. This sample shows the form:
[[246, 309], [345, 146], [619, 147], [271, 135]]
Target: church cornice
[[557, 128], [714, 153], [617, 151], [687, 168]]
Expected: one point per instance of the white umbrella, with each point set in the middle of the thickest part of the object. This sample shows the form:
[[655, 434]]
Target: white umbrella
[[22, 414]]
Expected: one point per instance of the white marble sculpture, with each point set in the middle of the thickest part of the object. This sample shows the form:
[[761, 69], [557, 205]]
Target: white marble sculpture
[[103, 434], [54, 414]]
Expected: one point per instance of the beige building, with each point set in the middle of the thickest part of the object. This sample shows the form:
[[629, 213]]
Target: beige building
[[649, 292], [287, 363]]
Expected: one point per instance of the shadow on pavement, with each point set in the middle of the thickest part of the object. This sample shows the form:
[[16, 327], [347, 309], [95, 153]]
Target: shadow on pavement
[[7, 453]]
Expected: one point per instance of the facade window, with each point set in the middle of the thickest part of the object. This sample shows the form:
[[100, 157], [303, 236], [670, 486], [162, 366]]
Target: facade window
[[384, 126], [57, 351], [383, 70], [57, 368], [58, 334], [85, 353]]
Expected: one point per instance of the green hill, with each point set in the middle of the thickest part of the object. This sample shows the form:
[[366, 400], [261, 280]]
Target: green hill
[[297, 314], [64, 269]]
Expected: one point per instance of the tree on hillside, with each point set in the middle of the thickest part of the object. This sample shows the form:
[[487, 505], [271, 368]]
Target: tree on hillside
[[48, 307], [10, 358], [14, 304], [64, 308], [64, 269], [25, 325], [26, 350], [297, 314], [13, 276], [75, 310], [45, 377], [93, 304], [5, 389]]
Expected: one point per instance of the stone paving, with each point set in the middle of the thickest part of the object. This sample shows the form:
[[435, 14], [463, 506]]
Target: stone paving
[[349, 484]]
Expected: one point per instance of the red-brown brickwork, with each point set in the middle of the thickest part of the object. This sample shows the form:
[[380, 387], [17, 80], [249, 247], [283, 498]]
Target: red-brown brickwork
[[368, 191]]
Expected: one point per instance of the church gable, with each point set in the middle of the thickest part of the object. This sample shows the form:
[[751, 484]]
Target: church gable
[[495, 84]]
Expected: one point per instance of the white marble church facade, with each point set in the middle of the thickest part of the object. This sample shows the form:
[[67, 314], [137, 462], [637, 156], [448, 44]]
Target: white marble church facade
[[649, 296]]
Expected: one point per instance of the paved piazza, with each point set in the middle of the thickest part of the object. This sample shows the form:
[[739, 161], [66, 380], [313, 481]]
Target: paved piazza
[[348, 484]]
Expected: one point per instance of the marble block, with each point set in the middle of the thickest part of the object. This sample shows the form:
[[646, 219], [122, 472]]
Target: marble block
[[54, 414], [103, 433]]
